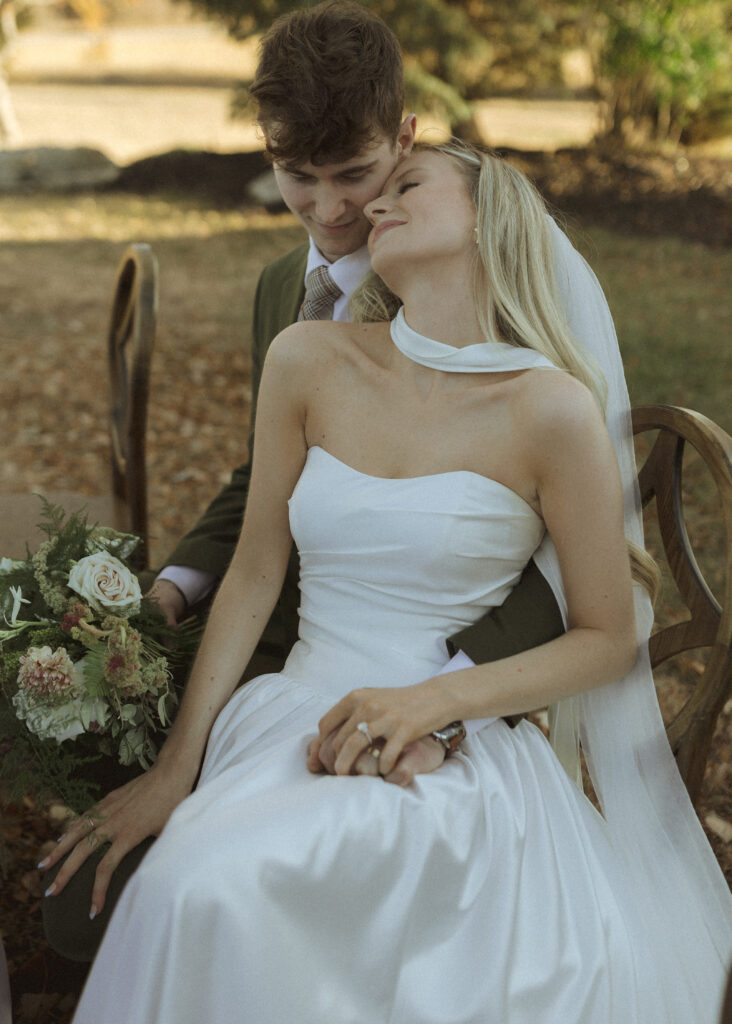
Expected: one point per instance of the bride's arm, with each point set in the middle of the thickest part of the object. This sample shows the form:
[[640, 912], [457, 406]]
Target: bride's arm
[[570, 458], [239, 613], [253, 581]]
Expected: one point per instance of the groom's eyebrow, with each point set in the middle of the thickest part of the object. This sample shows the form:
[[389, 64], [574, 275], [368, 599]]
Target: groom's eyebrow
[[359, 168], [362, 168]]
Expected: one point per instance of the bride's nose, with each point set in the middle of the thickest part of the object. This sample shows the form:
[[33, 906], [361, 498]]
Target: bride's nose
[[376, 207]]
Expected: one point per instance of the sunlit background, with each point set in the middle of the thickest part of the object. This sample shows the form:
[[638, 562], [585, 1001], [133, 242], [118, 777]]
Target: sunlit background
[[632, 144]]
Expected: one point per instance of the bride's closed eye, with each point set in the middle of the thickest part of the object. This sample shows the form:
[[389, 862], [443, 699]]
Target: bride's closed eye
[[405, 186]]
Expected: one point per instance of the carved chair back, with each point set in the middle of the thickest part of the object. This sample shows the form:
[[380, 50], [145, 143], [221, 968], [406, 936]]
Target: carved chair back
[[131, 338], [709, 622]]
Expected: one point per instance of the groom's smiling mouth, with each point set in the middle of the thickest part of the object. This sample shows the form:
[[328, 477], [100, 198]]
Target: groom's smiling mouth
[[335, 228]]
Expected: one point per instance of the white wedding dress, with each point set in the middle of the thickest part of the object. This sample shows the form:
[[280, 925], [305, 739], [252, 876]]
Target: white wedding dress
[[487, 891]]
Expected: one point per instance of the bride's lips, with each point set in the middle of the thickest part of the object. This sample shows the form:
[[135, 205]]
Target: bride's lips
[[384, 226]]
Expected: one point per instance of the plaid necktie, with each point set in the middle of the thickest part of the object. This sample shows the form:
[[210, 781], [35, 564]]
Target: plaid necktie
[[321, 291]]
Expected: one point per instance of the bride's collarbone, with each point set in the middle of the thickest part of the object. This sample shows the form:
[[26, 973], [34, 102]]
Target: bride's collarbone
[[382, 449], [367, 418]]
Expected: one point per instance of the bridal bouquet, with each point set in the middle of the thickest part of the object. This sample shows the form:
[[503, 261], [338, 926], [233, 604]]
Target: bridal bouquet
[[86, 663]]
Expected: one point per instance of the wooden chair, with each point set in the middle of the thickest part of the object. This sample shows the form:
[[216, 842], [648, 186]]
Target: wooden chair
[[710, 623], [130, 345], [130, 341]]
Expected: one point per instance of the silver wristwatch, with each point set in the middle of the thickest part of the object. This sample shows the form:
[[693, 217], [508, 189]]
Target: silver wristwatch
[[450, 736]]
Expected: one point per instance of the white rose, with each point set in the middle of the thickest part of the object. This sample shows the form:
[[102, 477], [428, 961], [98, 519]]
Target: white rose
[[106, 584], [64, 721]]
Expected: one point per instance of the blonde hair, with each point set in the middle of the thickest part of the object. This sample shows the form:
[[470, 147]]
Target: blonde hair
[[515, 290]]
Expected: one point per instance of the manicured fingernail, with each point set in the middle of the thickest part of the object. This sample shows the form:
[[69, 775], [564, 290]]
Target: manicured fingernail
[[92, 912], [42, 864], [50, 890]]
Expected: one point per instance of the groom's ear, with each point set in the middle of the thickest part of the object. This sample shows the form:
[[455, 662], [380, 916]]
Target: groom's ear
[[406, 137]]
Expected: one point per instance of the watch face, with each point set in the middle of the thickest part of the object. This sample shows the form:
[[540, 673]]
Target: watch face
[[451, 735], [454, 729]]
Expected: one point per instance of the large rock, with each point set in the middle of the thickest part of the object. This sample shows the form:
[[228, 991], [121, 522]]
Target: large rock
[[222, 178], [53, 169], [264, 190]]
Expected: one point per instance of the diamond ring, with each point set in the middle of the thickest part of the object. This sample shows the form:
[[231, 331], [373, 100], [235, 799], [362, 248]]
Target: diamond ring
[[363, 727]]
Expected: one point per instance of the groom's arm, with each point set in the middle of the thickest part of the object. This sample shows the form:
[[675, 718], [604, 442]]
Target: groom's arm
[[210, 544], [528, 617]]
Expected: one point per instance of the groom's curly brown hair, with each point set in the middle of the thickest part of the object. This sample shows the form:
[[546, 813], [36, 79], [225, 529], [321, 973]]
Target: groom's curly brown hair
[[329, 82]]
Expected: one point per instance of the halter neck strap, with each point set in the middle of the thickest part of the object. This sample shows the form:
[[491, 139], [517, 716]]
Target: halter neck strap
[[486, 357]]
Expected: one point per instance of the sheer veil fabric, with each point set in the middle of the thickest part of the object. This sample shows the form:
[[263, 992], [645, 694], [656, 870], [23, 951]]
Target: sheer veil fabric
[[664, 863]]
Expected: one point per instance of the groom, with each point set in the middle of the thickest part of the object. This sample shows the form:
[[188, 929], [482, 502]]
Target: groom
[[329, 88], [330, 93]]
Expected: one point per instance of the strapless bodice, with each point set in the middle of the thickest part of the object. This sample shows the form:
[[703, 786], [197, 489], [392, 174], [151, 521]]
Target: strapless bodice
[[389, 568]]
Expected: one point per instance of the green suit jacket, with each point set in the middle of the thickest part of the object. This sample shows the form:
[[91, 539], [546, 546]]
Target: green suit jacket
[[528, 617]]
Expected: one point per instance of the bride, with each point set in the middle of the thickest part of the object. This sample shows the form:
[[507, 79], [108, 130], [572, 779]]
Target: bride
[[418, 466]]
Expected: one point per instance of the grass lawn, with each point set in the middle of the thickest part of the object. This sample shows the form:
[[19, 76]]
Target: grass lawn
[[672, 307]]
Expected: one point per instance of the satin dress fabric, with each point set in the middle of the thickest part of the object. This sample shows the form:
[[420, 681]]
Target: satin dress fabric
[[486, 891]]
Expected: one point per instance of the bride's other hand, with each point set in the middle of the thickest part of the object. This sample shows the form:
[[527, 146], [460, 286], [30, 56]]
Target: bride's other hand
[[124, 818], [418, 758]]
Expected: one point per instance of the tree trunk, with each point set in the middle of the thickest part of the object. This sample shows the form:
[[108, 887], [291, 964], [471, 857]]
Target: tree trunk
[[9, 128], [468, 131]]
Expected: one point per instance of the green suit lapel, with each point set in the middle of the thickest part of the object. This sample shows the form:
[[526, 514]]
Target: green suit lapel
[[280, 292]]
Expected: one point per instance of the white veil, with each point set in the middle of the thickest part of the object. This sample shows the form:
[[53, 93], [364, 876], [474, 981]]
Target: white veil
[[679, 906], [668, 866]]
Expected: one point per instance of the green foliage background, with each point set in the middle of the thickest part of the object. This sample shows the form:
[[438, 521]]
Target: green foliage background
[[661, 67]]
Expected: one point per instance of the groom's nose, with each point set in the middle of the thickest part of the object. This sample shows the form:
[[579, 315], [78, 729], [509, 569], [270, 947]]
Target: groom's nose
[[330, 205]]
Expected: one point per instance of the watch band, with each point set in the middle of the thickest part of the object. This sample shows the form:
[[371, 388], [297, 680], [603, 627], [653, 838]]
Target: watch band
[[450, 736]]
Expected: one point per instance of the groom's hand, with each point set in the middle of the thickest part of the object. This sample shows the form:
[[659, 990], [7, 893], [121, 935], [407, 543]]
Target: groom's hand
[[418, 758], [170, 600]]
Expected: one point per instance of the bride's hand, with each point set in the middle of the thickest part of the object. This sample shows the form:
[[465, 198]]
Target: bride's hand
[[123, 819], [418, 758], [397, 715]]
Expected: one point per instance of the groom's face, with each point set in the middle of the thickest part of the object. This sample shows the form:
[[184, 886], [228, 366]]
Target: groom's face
[[328, 198]]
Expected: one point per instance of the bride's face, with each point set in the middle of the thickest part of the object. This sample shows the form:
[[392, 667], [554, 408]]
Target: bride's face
[[424, 213]]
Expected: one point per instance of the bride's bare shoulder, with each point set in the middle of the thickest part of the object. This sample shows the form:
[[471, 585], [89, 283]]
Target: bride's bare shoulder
[[310, 343], [556, 408]]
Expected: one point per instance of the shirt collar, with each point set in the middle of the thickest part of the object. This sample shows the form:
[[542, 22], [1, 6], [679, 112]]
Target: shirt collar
[[347, 272]]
